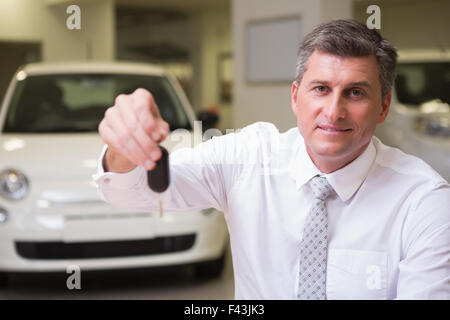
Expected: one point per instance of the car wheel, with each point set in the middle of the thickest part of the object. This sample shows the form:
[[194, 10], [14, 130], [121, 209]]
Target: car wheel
[[3, 280], [210, 269]]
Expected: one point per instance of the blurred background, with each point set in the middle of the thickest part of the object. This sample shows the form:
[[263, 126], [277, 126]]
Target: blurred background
[[232, 60]]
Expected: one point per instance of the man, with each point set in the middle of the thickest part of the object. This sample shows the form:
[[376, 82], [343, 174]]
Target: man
[[322, 211]]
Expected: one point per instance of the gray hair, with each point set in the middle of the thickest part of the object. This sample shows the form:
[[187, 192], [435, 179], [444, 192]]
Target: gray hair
[[348, 38]]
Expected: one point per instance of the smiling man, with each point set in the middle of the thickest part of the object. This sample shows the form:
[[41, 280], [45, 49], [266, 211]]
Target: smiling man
[[338, 104], [322, 211]]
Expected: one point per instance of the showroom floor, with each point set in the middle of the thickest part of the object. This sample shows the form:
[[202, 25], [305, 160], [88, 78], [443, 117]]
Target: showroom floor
[[170, 284]]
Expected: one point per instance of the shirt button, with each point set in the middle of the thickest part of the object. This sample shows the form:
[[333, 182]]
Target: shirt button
[[107, 180]]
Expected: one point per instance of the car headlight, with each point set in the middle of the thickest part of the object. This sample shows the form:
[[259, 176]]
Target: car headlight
[[3, 215], [13, 184], [438, 125]]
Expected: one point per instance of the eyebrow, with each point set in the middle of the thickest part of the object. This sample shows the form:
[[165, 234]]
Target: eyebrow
[[352, 84], [361, 84]]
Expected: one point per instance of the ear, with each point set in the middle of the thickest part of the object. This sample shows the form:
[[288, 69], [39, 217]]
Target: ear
[[294, 92], [386, 103]]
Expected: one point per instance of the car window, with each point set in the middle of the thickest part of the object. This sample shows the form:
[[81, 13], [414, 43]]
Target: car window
[[418, 83], [77, 102]]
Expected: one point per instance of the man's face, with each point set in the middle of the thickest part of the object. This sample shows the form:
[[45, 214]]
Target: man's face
[[338, 105]]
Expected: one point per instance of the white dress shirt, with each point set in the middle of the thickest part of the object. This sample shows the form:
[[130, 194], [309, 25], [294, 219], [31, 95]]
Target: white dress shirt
[[389, 217]]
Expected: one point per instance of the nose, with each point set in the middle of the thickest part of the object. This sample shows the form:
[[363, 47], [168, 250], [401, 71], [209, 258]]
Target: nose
[[335, 108]]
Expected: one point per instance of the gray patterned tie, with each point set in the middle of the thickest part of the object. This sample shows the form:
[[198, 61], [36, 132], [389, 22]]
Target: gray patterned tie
[[313, 246]]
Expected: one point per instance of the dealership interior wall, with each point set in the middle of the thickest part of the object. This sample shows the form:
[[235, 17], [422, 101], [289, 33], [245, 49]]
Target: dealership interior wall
[[206, 31]]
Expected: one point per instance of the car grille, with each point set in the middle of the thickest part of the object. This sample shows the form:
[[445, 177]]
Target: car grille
[[104, 249]]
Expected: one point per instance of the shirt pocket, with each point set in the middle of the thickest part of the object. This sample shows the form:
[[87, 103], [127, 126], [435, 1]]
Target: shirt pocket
[[356, 274]]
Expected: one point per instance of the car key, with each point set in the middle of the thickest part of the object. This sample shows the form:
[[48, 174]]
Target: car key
[[158, 179]]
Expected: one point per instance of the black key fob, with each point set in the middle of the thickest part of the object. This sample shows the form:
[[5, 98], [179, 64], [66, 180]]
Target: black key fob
[[158, 179]]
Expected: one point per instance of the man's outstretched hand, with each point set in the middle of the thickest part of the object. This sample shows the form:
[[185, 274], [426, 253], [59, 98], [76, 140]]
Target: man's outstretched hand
[[132, 129]]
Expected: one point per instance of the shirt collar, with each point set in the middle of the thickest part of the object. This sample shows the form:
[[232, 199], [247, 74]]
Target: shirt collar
[[344, 181]]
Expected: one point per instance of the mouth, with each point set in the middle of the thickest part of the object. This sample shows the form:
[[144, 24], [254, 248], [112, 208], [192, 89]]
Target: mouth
[[332, 129]]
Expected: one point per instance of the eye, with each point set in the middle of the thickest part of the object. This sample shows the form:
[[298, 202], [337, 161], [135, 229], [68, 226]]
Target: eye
[[356, 92], [321, 89]]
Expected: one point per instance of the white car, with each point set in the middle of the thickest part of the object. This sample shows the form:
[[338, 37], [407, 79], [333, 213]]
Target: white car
[[419, 119], [51, 216]]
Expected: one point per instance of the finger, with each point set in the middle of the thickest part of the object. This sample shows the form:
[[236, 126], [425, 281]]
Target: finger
[[164, 130], [111, 139], [150, 124], [147, 98], [133, 125], [145, 118], [107, 135]]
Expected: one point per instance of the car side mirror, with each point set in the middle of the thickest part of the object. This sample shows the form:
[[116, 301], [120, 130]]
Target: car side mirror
[[209, 119]]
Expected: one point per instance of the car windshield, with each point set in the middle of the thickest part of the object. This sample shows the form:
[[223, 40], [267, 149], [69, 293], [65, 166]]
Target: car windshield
[[417, 83], [77, 102]]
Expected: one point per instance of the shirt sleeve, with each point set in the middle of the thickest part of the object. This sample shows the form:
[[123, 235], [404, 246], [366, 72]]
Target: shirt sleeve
[[200, 177], [424, 273]]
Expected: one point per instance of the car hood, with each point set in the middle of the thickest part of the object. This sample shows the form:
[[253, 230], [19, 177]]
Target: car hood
[[56, 156]]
